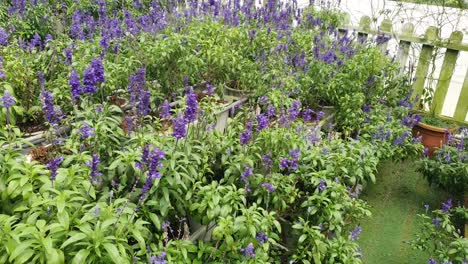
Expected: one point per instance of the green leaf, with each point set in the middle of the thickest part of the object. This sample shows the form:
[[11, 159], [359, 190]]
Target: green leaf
[[22, 247], [25, 256], [74, 238], [81, 256], [114, 253]]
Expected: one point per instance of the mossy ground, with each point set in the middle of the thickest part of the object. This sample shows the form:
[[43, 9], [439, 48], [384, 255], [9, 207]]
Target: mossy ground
[[397, 197]]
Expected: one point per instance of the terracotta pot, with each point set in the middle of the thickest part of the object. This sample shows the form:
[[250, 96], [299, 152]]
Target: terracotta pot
[[432, 137]]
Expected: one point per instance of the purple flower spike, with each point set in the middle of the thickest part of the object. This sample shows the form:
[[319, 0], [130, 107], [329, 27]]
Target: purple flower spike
[[191, 109], [246, 136], [262, 122], [4, 36], [179, 127], [53, 167], [75, 85], [93, 165], [165, 110], [7, 100], [355, 233]]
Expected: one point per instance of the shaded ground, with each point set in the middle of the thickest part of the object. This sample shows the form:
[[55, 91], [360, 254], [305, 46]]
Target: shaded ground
[[398, 196]]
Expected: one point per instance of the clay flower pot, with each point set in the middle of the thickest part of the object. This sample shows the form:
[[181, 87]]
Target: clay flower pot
[[432, 137]]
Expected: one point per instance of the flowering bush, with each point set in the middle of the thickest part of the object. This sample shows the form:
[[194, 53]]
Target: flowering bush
[[449, 167], [440, 237], [134, 171]]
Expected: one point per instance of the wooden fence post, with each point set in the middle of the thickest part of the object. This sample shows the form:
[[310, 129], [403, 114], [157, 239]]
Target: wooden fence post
[[364, 27], [404, 46], [446, 73], [462, 105], [432, 34]]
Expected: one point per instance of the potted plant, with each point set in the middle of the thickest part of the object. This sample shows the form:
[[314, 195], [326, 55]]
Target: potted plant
[[434, 132]]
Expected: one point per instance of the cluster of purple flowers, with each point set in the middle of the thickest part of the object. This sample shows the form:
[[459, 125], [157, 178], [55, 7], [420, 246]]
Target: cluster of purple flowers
[[267, 162], [262, 122], [75, 85], [400, 140], [446, 206], [52, 113], [161, 259], [261, 237], [7, 100], [150, 160], [271, 111], [246, 135], [249, 250], [93, 75], [4, 36], [2, 71], [411, 120], [322, 185], [380, 134], [292, 162], [86, 131], [179, 127], [165, 110], [248, 171], [93, 165], [382, 38], [53, 165], [355, 233], [268, 186], [191, 109]]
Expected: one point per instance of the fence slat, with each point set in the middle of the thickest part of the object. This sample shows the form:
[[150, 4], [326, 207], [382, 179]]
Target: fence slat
[[404, 46], [432, 33], [448, 66], [462, 105], [364, 26]]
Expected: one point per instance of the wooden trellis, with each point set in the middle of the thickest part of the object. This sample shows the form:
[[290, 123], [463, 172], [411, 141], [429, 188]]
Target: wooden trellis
[[429, 42]]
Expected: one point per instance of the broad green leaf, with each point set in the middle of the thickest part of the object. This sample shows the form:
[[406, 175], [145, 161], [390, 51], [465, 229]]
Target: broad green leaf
[[74, 238], [81, 256]]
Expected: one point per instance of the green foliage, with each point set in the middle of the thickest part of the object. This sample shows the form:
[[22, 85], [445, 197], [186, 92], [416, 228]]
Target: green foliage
[[440, 237]]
